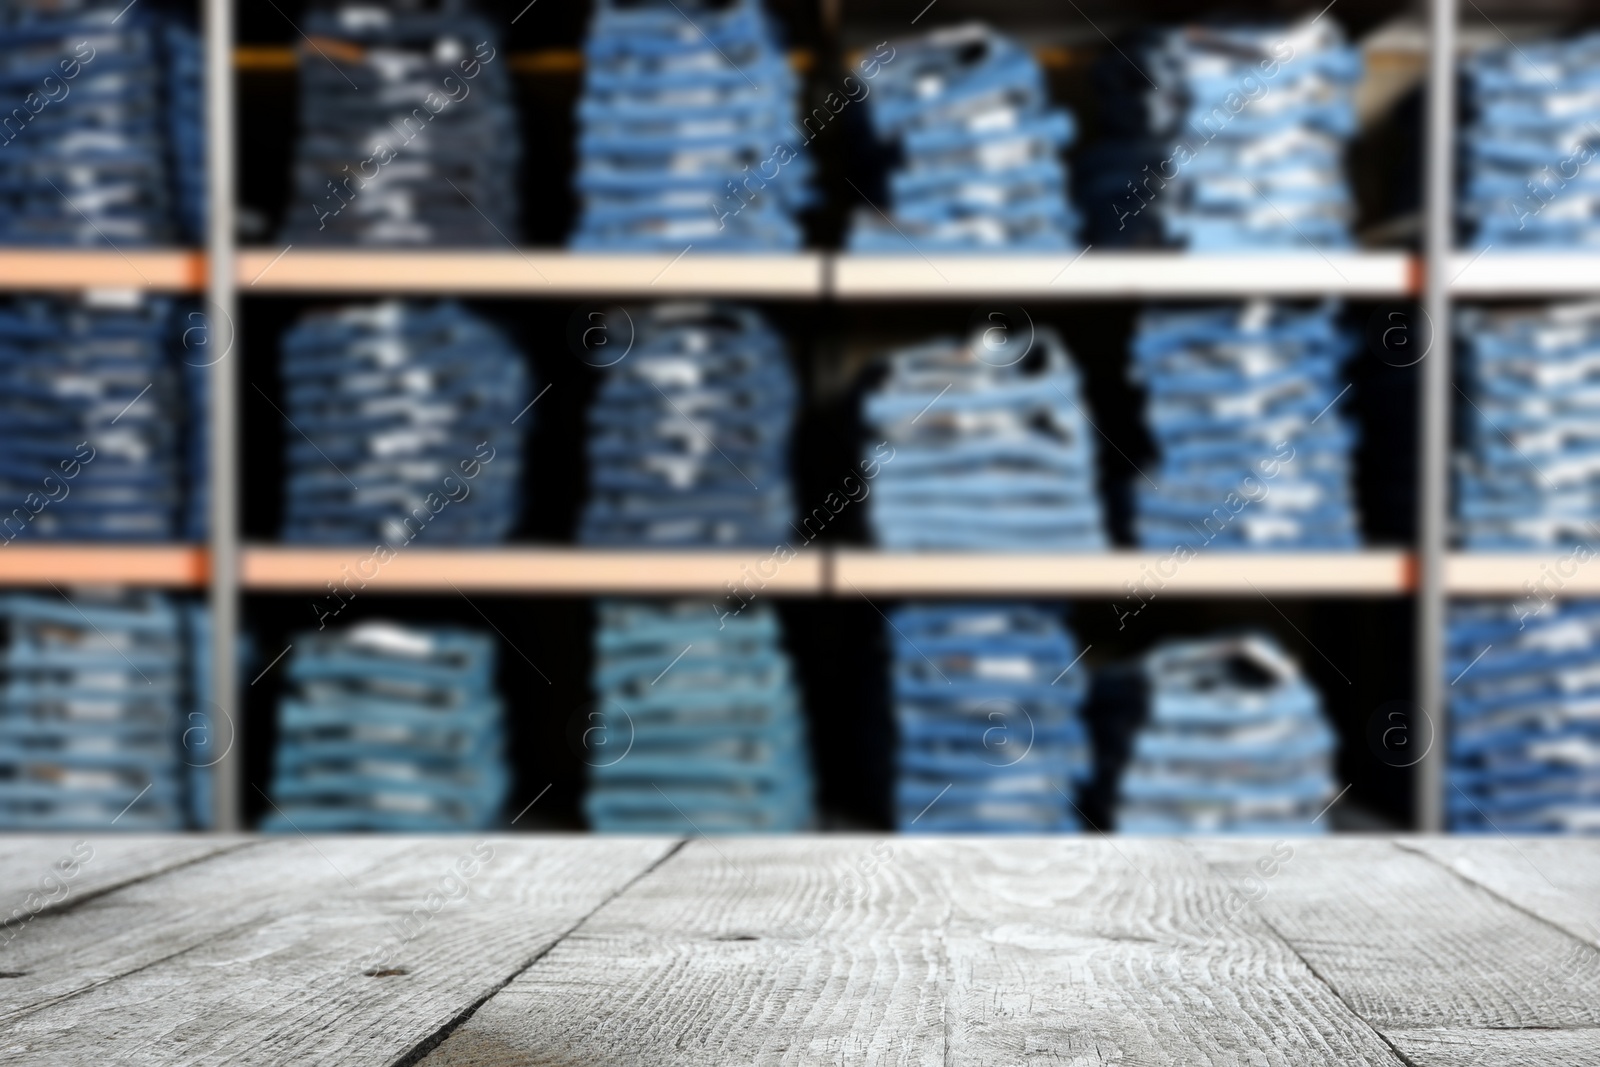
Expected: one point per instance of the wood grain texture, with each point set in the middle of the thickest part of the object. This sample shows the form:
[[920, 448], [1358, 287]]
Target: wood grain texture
[[913, 951], [40, 864], [1547, 877], [1499, 1048], [1410, 946], [260, 957]]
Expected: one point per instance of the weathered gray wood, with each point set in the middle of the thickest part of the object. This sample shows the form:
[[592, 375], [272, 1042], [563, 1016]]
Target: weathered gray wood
[[273, 973], [1410, 946], [1499, 1048], [997, 951], [1548, 877], [40, 874]]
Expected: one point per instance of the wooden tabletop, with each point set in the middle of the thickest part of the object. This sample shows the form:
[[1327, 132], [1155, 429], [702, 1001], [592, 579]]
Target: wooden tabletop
[[562, 951]]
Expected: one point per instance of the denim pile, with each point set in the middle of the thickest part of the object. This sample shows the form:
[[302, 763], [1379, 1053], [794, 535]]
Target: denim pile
[[100, 142], [408, 135], [196, 521], [1526, 153], [1242, 404], [1240, 147], [990, 739], [89, 417], [689, 435], [979, 148], [1524, 717], [1528, 473], [698, 725], [1233, 740], [991, 450], [400, 421], [389, 727], [91, 692], [204, 739], [684, 106]]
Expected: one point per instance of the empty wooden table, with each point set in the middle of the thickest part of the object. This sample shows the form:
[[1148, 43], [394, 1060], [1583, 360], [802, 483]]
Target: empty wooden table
[[568, 950]]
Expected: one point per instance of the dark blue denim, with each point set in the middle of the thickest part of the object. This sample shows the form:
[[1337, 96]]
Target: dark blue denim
[[93, 692], [403, 420], [389, 727]]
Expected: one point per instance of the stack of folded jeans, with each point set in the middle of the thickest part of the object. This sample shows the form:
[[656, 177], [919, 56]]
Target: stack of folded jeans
[[93, 99], [186, 127], [389, 728], [1242, 405], [1240, 147], [408, 134], [689, 436], [987, 712], [698, 725], [990, 451], [401, 420], [197, 449], [684, 106], [1528, 474], [90, 723], [1525, 153], [1524, 717], [979, 149], [88, 420], [1233, 740]]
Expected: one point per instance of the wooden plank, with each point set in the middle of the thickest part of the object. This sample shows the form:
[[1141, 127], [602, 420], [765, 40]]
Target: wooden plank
[[1377, 573], [1498, 1048], [167, 270], [533, 570], [534, 272], [1408, 945], [1121, 275], [1509, 574], [173, 566], [41, 874], [292, 952], [965, 951], [1547, 877]]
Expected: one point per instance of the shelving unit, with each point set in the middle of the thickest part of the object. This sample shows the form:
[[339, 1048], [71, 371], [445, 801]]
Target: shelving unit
[[226, 568]]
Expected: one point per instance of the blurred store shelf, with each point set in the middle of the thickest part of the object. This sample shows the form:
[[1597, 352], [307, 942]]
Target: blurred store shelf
[[168, 270], [1543, 574], [172, 566], [1115, 275], [1371, 573], [281, 59], [529, 273], [574, 571], [1496, 273]]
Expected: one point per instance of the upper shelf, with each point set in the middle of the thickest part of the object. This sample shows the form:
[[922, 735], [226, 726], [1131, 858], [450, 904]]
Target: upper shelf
[[169, 270], [1119, 275], [541, 272]]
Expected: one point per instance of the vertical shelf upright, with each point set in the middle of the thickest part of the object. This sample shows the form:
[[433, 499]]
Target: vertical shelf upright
[[222, 313], [1438, 196]]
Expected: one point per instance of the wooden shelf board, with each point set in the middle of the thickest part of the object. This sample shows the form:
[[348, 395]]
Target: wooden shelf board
[[1501, 273], [36, 564], [1370, 573], [527, 570], [167, 270], [533, 273], [1558, 573], [1124, 275]]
